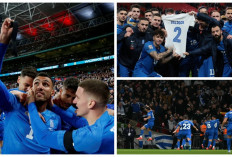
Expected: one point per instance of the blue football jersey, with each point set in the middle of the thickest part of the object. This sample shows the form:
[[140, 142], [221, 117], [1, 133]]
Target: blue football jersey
[[2, 118], [216, 124], [185, 126], [18, 136], [95, 139], [227, 70], [146, 62], [152, 119], [3, 48], [229, 116], [210, 126], [206, 69], [69, 116], [17, 129]]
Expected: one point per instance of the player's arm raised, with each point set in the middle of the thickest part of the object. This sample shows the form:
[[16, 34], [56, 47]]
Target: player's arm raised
[[5, 35]]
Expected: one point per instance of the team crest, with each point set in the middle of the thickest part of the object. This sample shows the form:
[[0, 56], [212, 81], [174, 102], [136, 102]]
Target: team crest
[[150, 47]]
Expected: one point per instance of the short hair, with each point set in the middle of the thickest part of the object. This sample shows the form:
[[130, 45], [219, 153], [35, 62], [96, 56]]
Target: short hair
[[121, 9], [228, 8], [160, 33], [214, 116], [147, 11], [29, 71], [169, 10], [185, 116], [216, 25], [44, 74], [135, 6], [214, 11], [155, 9], [147, 108], [201, 7], [157, 15], [143, 18], [71, 83], [98, 89]]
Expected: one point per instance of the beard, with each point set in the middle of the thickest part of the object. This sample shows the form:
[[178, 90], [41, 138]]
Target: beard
[[217, 38]]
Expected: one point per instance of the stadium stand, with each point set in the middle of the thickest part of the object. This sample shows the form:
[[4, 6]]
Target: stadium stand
[[60, 35]]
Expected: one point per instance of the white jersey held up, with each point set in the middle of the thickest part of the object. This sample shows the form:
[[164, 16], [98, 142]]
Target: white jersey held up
[[177, 27]]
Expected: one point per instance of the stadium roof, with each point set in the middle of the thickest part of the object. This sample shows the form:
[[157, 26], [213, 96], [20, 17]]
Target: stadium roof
[[35, 19]]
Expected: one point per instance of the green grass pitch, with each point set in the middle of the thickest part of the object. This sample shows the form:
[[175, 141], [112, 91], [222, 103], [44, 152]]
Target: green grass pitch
[[169, 151]]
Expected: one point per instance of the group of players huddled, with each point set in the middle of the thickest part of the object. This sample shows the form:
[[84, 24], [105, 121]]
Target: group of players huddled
[[184, 127], [141, 40], [37, 120]]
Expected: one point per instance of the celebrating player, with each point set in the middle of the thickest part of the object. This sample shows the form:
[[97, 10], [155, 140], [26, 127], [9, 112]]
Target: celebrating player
[[150, 118], [184, 128], [228, 117], [98, 137]]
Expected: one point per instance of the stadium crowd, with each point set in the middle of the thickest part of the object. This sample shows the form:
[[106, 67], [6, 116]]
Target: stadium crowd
[[143, 31]]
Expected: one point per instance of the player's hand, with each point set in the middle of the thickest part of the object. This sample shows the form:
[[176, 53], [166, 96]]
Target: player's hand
[[197, 130], [30, 96], [144, 119], [22, 96], [165, 32], [6, 31], [176, 55], [129, 29], [127, 34], [174, 132], [170, 49], [186, 53], [192, 13], [229, 37]]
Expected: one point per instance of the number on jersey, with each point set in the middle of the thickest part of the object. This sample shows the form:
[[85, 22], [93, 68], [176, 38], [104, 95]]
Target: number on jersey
[[186, 126], [178, 30]]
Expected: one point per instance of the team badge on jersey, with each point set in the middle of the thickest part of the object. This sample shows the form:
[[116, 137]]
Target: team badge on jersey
[[150, 47]]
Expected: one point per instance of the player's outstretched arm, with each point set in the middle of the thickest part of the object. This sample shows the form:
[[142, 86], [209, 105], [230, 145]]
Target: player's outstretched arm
[[176, 129], [86, 139], [45, 137], [204, 50], [7, 99], [70, 117], [5, 35], [159, 56]]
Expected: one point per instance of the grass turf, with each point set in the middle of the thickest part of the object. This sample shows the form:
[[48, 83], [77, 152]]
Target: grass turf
[[169, 151]]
